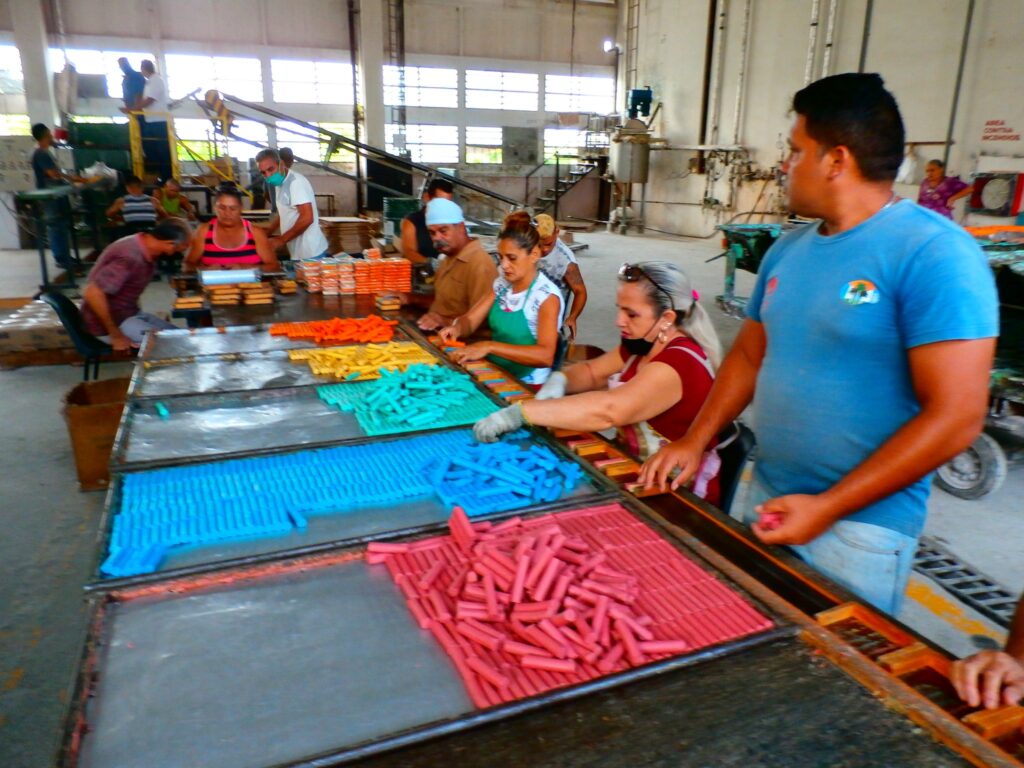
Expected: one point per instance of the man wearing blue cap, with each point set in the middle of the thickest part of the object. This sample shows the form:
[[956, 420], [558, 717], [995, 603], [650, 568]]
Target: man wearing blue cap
[[466, 273]]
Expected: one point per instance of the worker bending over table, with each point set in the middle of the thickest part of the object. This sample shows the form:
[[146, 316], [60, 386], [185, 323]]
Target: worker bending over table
[[866, 351], [560, 264], [650, 388], [466, 273], [137, 210], [228, 241], [296, 209], [524, 309], [173, 203], [110, 307], [417, 246]]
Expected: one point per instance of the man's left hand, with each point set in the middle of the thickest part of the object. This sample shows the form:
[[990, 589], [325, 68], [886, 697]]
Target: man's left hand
[[472, 353], [794, 519], [431, 321], [570, 326]]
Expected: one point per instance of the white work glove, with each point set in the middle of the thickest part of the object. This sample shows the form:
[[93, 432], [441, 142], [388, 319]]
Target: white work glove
[[554, 387], [490, 428]]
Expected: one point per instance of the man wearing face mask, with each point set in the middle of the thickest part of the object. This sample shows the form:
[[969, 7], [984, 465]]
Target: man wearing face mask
[[467, 272], [296, 207]]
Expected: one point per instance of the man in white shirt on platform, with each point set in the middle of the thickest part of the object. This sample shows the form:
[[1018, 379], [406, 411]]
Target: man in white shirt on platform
[[296, 208], [156, 145]]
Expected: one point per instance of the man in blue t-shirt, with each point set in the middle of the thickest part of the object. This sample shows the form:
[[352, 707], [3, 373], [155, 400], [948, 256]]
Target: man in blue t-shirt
[[866, 352], [132, 85]]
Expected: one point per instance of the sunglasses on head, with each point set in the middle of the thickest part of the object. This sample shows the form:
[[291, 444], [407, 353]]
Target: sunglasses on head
[[631, 273]]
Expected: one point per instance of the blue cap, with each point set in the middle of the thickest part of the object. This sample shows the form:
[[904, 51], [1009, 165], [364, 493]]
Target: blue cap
[[441, 210]]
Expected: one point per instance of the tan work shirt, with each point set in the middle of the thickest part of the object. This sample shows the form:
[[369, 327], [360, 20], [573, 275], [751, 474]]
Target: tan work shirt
[[463, 279]]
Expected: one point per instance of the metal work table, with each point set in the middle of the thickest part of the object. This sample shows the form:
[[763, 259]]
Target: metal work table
[[304, 659]]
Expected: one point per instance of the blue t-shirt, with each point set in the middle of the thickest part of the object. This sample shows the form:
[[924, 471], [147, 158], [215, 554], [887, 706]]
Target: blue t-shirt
[[839, 314]]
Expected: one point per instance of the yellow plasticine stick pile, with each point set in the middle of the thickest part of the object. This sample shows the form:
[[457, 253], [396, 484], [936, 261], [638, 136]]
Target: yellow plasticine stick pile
[[362, 362]]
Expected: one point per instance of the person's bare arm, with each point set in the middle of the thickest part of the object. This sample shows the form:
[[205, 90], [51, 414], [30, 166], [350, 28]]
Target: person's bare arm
[[409, 244], [188, 208], [994, 678], [272, 223], [97, 301], [592, 374], [732, 391], [195, 254], [268, 259], [301, 224], [58, 174], [574, 279], [962, 193], [159, 208], [464, 326], [654, 389], [115, 208], [950, 380]]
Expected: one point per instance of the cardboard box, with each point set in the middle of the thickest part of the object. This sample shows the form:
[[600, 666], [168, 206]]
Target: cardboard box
[[33, 327], [92, 411]]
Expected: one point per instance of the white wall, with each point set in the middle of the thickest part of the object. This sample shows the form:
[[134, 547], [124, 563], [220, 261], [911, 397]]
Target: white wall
[[914, 45]]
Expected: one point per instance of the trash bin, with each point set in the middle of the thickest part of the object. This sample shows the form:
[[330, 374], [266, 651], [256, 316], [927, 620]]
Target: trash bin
[[92, 411]]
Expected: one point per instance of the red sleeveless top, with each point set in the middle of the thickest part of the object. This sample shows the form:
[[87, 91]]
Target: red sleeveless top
[[216, 256]]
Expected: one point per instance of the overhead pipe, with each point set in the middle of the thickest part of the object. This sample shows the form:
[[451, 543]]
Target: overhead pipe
[[830, 29], [716, 72], [959, 80], [865, 35], [812, 45], [705, 93], [741, 78]]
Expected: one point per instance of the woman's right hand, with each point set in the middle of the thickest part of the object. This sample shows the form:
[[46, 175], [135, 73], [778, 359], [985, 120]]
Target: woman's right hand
[[449, 333], [684, 454]]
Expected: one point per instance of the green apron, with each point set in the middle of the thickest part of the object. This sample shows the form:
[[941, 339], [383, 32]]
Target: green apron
[[511, 328]]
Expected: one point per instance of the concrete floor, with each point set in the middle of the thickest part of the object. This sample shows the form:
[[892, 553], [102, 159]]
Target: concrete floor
[[47, 552]]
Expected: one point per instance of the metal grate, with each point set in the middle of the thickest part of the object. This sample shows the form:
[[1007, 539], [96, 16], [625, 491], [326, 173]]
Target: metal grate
[[985, 595]]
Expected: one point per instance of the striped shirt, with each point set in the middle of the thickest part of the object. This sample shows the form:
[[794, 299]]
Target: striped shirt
[[138, 209], [217, 256]]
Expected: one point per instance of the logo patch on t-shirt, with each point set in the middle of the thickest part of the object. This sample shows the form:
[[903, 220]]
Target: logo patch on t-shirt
[[860, 292], [773, 283]]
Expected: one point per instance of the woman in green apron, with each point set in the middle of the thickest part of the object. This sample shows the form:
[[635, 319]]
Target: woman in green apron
[[524, 312]]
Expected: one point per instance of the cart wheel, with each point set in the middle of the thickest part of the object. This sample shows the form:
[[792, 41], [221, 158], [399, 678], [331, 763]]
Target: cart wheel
[[976, 472]]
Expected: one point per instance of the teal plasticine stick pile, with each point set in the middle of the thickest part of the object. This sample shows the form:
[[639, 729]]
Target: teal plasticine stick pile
[[421, 397]]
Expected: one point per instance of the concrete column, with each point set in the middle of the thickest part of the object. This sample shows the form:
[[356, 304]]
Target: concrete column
[[371, 68], [30, 37]]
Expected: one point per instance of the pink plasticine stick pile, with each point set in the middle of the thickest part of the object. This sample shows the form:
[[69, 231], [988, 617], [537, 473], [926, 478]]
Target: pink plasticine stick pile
[[525, 606]]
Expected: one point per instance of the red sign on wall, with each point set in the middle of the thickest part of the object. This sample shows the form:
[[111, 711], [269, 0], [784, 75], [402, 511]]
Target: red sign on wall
[[998, 130]]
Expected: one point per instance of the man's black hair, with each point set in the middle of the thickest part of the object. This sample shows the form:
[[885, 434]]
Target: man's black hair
[[171, 230], [39, 130], [131, 179], [440, 184], [855, 111]]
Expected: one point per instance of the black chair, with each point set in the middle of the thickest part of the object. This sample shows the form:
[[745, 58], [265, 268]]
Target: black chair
[[88, 346], [739, 443]]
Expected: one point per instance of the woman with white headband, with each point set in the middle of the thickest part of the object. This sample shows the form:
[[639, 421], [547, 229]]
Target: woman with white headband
[[649, 388]]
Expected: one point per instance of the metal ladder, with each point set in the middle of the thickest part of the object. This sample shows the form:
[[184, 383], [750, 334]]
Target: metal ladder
[[632, 42]]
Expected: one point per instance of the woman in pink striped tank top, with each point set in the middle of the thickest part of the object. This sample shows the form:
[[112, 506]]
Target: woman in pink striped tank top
[[229, 241]]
